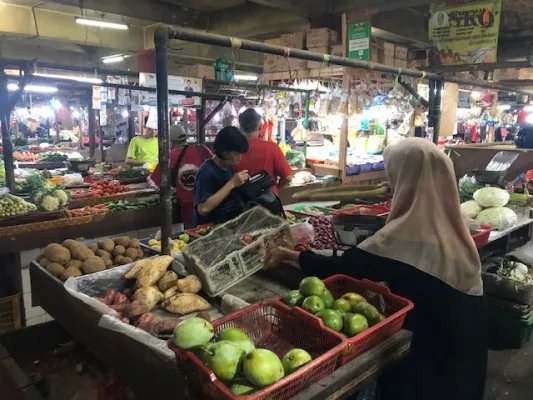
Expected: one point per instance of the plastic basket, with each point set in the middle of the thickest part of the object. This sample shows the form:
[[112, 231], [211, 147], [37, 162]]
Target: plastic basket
[[481, 238], [504, 288], [277, 328], [507, 331], [393, 307], [10, 317]]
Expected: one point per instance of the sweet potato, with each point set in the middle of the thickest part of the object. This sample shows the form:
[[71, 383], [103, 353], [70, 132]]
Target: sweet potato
[[148, 295], [123, 241], [118, 250], [74, 264], [70, 272], [55, 269], [186, 303], [131, 253], [104, 300], [134, 243], [170, 292], [153, 271], [189, 284], [120, 298], [57, 253], [102, 253], [132, 273], [167, 281], [164, 327], [93, 264], [134, 309], [145, 321], [93, 247]]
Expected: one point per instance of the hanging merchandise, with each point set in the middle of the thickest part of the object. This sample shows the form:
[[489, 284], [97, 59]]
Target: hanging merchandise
[[223, 70]]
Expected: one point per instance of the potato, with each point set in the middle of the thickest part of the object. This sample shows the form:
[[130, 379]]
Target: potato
[[57, 253], [108, 262], [123, 241], [131, 253], [74, 263], [119, 250], [78, 250], [140, 253], [107, 245], [186, 303], [119, 260], [43, 261], [102, 253], [70, 272], [135, 243], [148, 295], [153, 271], [127, 260], [93, 247], [170, 292], [55, 269], [168, 280], [69, 242], [189, 284], [134, 309], [93, 264]]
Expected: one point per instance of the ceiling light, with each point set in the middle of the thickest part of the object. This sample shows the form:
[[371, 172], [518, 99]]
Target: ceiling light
[[125, 114], [72, 78], [101, 24], [32, 88], [245, 77], [113, 59]]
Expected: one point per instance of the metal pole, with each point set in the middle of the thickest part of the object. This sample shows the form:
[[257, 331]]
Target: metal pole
[[201, 125], [435, 98], [413, 93], [101, 144], [7, 145], [131, 124], [90, 127], [306, 110], [161, 43]]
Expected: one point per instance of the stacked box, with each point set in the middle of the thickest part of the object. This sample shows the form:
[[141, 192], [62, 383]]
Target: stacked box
[[336, 50], [273, 63], [295, 40], [197, 71], [321, 37]]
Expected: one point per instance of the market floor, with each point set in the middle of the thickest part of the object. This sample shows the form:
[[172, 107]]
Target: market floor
[[510, 374]]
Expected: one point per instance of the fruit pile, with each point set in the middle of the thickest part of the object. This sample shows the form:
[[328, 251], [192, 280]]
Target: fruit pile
[[176, 245], [326, 237], [233, 357], [108, 188], [350, 314]]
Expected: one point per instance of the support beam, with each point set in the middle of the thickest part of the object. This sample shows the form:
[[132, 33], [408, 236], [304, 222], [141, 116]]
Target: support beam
[[165, 12], [370, 7], [303, 7]]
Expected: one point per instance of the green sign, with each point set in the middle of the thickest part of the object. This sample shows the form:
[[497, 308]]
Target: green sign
[[359, 41]]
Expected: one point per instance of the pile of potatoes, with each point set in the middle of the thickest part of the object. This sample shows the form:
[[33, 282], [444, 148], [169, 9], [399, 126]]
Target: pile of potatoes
[[72, 258], [155, 284]]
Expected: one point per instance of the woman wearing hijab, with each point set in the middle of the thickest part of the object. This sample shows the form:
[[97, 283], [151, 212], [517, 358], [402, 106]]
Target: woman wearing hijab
[[426, 254]]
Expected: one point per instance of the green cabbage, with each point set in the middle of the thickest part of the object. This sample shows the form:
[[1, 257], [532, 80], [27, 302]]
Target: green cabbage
[[499, 218], [470, 209], [492, 197]]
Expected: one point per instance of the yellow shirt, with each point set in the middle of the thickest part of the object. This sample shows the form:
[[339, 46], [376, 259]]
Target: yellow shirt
[[142, 149]]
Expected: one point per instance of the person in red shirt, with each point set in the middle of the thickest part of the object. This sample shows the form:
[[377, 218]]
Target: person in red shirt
[[262, 154], [185, 160]]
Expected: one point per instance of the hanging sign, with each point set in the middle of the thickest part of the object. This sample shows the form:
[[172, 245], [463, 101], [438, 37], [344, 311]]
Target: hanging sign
[[359, 41], [466, 33], [174, 83], [97, 100]]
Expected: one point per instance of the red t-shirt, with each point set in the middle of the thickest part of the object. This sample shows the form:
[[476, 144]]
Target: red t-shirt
[[186, 175], [265, 155]]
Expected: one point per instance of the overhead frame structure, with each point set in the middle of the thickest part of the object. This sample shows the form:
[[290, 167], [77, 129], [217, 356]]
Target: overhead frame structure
[[163, 35]]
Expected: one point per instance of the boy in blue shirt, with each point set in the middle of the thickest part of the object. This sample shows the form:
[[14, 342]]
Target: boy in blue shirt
[[214, 198]]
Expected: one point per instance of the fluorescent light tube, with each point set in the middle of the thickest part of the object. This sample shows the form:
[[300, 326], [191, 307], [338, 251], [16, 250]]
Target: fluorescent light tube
[[73, 78], [32, 88], [113, 59], [101, 24]]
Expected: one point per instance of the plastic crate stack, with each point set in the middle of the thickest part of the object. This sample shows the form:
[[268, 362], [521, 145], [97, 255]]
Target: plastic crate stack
[[510, 312]]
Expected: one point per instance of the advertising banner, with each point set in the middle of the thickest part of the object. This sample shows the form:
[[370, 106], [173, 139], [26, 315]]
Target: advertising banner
[[174, 83]]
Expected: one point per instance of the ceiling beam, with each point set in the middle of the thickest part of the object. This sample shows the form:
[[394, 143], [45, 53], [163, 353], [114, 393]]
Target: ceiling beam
[[370, 7], [302, 7], [168, 13]]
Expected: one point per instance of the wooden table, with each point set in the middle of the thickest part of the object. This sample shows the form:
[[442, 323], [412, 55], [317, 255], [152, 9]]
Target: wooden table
[[151, 376]]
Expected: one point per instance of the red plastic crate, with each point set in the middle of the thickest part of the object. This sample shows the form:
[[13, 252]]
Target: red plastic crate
[[192, 231], [393, 307], [482, 238], [278, 328]]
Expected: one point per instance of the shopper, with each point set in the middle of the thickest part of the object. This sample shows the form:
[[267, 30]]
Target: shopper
[[214, 198], [185, 161], [425, 253], [262, 154], [143, 149]]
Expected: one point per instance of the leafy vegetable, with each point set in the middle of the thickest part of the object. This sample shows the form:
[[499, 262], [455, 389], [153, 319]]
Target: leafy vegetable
[[467, 187], [470, 209], [491, 197], [515, 271], [499, 218]]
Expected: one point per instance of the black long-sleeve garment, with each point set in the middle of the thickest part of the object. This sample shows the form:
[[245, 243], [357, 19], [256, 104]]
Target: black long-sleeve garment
[[448, 358]]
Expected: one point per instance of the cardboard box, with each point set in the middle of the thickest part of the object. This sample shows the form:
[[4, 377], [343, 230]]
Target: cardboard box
[[197, 71], [337, 50], [321, 37], [295, 40], [400, 63], [274, 64], [388, 60], [415, 64], [401, 52], [376, 54], [389, 49]]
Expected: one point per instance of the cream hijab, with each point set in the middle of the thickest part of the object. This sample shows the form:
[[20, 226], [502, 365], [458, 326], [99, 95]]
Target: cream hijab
[[425, 228]]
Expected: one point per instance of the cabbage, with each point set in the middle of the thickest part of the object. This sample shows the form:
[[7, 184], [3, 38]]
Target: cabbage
[[470, 209], [491, 197], [499, 218]]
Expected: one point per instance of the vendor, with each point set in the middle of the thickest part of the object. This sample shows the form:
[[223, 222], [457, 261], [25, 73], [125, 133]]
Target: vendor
[[262, 154], [214, 201], [185, 161], [144, 148], [425, 253]]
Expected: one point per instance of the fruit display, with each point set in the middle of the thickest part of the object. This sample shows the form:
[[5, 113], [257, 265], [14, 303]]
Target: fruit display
[[25, 156], [72, 258], [125, 205], [129, 173], [176, 245], [11, 206], [21, 186], [326, 237], [234, 358], [107, 188], [349, 314], [45, 195], [98, 209]]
